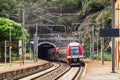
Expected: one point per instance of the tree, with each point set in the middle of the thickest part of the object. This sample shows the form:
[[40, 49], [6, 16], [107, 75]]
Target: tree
[[94, 6], [16, 33], [6, 7]]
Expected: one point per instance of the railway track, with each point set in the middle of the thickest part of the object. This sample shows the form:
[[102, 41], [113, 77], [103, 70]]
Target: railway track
[[41, 73], [74, 73], [54, 73], [70, 75], [60, 71]]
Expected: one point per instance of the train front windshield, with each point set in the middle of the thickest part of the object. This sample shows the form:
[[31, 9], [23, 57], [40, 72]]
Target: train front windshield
[[74, 50]]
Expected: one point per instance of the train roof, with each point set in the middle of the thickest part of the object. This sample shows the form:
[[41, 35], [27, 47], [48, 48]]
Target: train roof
[[74, 44]]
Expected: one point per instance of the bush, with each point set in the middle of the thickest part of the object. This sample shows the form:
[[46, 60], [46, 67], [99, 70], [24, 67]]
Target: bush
[[93, 18], [86, 55], [94, 6], [14, 56], [107, 57], [97, 57]]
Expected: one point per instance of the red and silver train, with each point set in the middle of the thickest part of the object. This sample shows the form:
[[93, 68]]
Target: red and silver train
[[72, 54], [53, 54]]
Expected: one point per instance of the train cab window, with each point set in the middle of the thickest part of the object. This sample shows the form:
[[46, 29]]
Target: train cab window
[[74, 50]]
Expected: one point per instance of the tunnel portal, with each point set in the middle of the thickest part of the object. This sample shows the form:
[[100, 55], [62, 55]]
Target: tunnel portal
[[43, 49]]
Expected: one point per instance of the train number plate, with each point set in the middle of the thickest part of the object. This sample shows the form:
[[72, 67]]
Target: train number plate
[[74, 56]]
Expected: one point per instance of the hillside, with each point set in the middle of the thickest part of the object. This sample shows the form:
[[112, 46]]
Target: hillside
[[75, 15]]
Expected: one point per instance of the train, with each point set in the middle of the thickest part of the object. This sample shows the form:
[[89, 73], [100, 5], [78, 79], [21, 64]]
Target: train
[[71, 54], [52, 54]]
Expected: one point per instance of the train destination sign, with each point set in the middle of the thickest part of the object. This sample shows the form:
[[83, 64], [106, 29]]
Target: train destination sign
[[111, 32]]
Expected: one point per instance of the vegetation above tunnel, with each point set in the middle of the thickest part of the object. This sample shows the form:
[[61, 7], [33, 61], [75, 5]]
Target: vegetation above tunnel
[[61, 12]]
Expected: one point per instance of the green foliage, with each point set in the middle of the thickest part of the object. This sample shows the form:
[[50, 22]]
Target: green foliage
[[5, 25], [94, 6], [97, 57], [40, 11], [93, 18], [99, 17], [70, 5], [60, 21], [107, 17], [86, 55], [16, 33], [6, 7], [15, 56], [107, 57]]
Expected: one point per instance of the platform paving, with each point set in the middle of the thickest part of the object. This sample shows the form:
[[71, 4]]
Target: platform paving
[[16, 65], [96, 71], [17, 70]]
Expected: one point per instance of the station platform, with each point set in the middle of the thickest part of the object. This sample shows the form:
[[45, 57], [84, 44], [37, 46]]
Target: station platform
[[16, 69], [17, 65], [96, 71]]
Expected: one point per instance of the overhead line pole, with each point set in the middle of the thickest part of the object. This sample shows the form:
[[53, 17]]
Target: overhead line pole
[[97, 45], [102, 41], [5, 52], [10, 47], [90, 47], [36, 42], [113, 40], [23, 41], [93, 42]]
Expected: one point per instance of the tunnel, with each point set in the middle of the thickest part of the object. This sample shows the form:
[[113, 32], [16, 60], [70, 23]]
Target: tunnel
[[43, 49]]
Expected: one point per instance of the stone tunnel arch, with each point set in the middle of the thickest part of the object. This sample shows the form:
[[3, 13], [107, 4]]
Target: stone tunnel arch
[[43, 49]]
